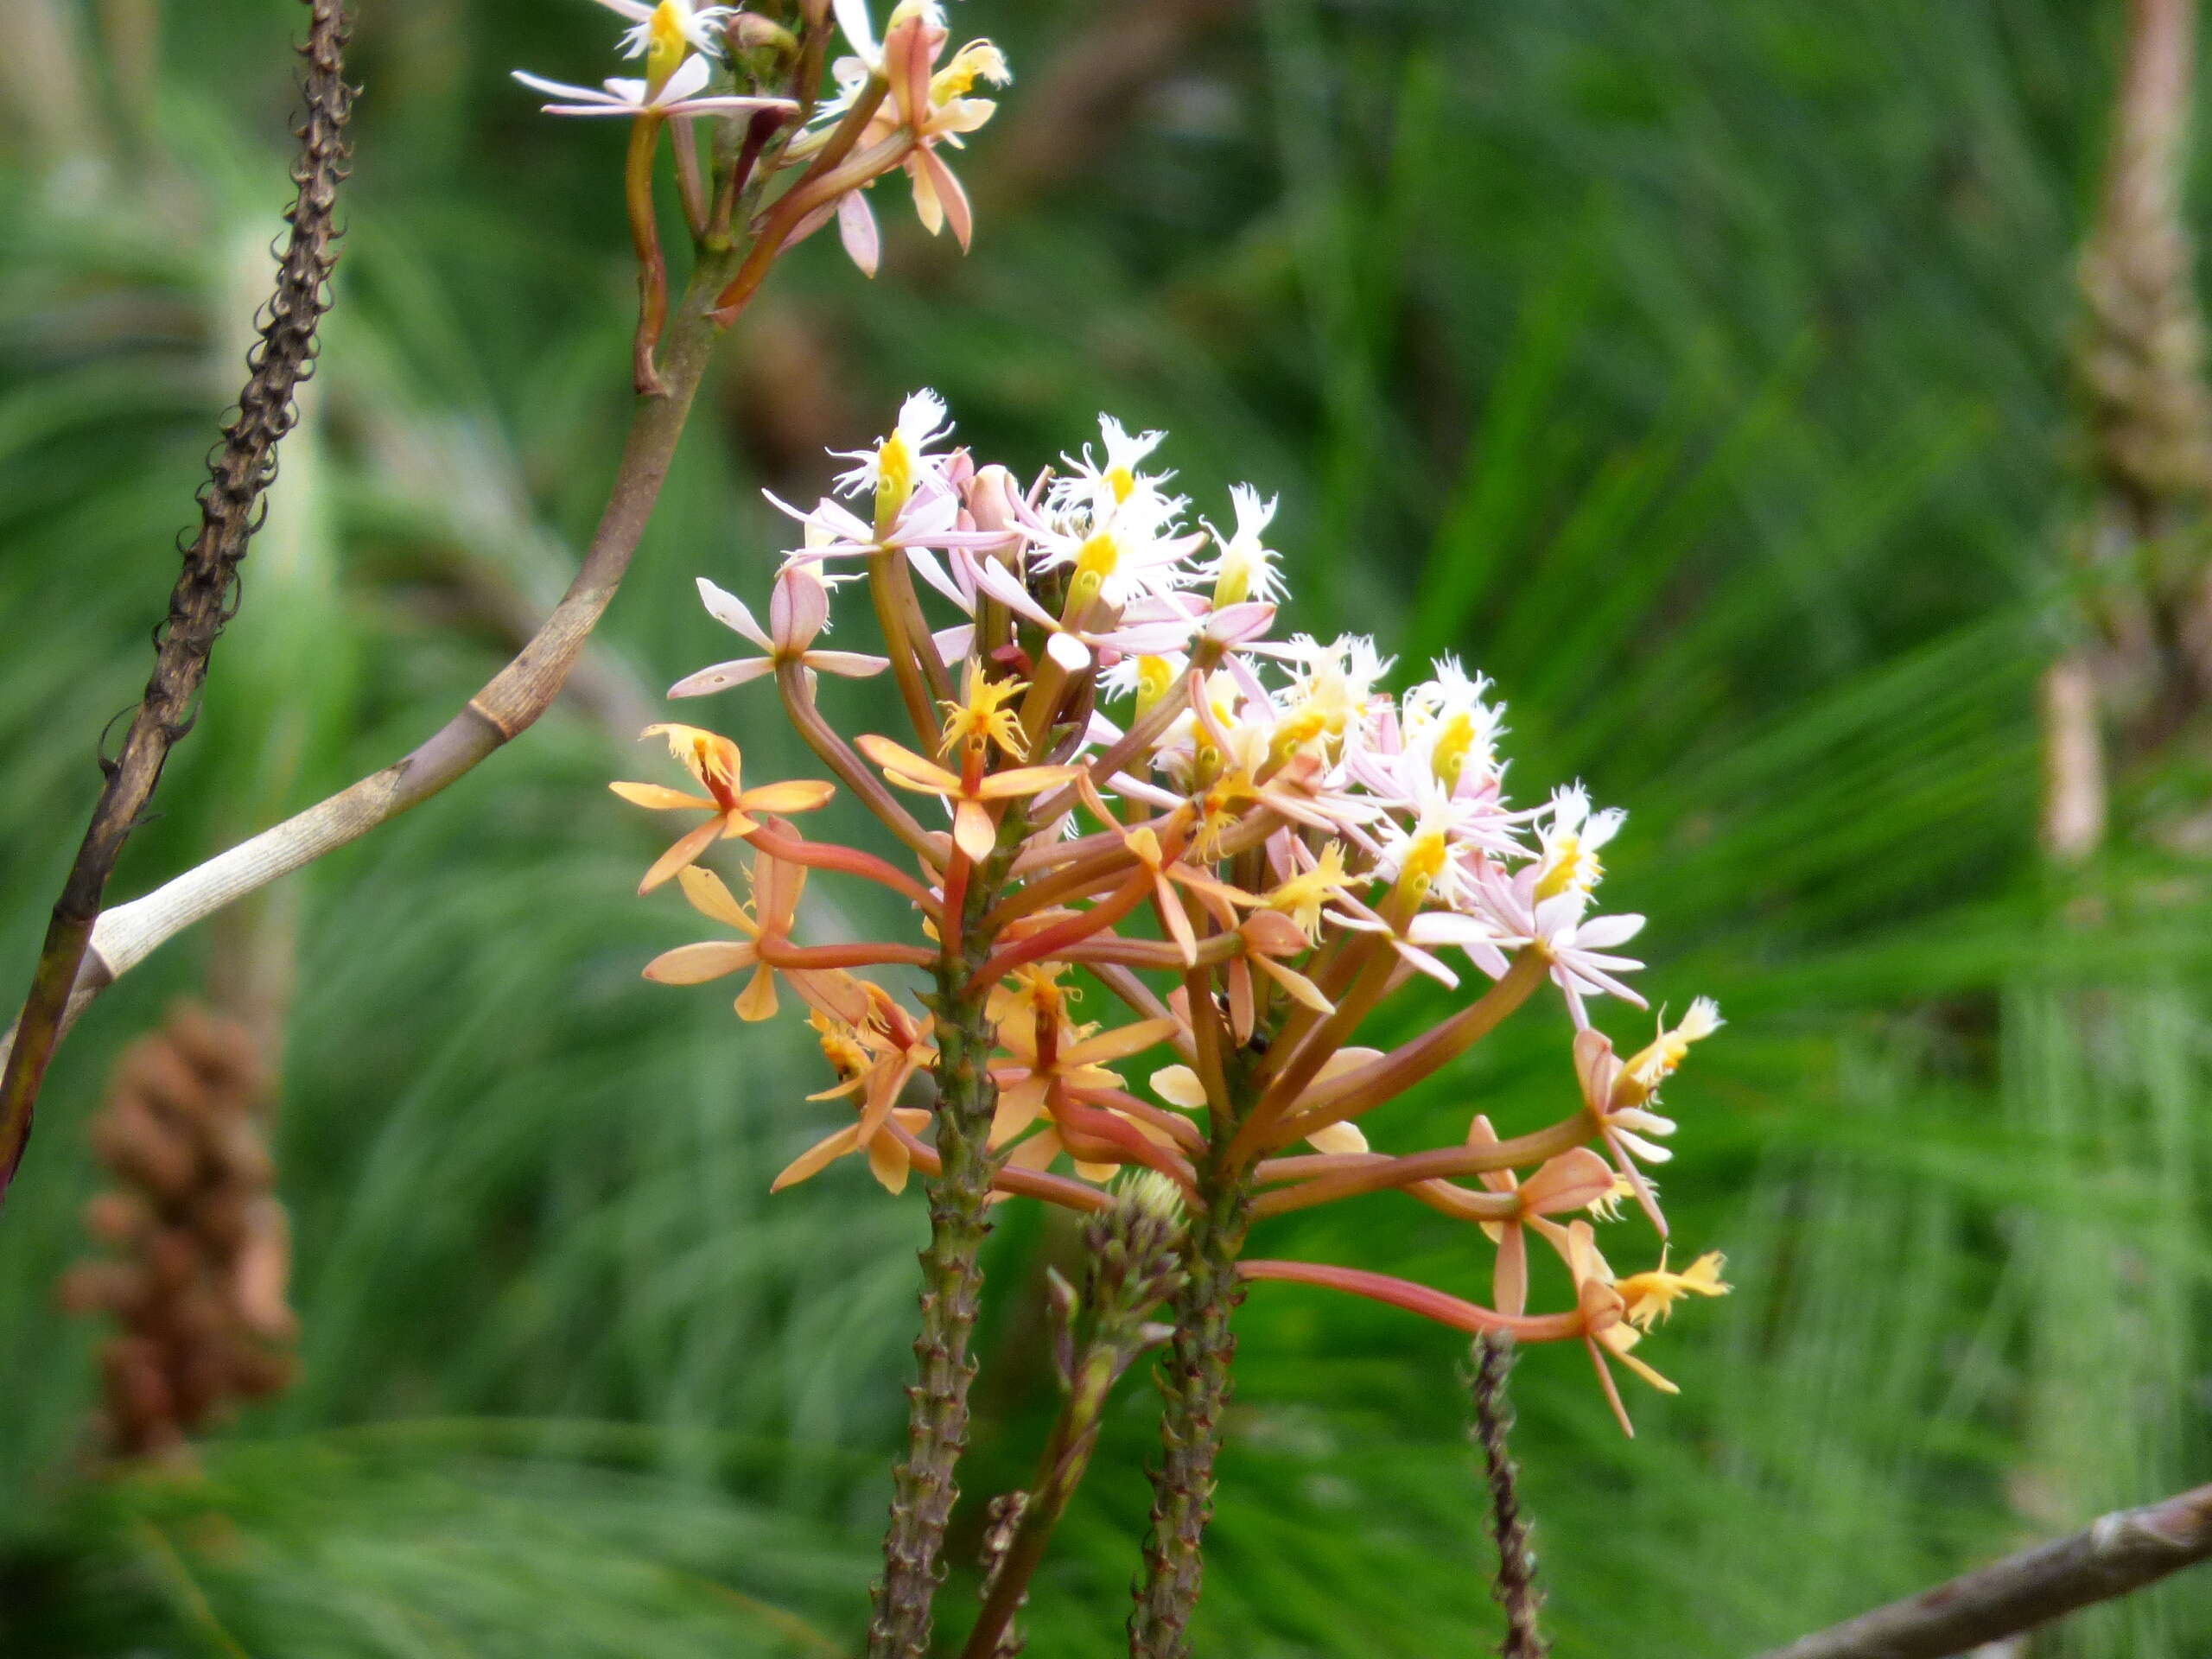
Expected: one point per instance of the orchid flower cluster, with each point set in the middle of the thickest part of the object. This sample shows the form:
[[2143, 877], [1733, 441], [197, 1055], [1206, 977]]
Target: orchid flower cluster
[[783, 160], [1115, 776]]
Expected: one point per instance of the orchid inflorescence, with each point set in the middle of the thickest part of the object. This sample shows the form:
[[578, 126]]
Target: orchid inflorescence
[[783, 159], [1109, 768], [1243, 838]]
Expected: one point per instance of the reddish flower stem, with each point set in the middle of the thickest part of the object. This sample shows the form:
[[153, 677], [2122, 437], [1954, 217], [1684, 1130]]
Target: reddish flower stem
[[780, 842], [1402, 1067], [1347, 1175], [1430, 1304], [1049, 942], [821, 957], [652, 266]]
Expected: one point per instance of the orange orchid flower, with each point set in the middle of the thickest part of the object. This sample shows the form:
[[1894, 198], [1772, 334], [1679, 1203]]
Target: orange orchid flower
[[716, 763], [776, 889], [971, 789]]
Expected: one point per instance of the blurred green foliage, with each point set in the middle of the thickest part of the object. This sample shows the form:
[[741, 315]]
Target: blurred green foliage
[[1698, 370]]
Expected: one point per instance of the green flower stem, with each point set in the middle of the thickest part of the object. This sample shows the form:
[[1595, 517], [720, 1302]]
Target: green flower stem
[[923, 1486], [1059, 1471]]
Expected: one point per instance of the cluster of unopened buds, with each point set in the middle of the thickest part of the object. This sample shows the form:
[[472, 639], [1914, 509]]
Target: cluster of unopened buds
[[785, 154], [1115, 773]]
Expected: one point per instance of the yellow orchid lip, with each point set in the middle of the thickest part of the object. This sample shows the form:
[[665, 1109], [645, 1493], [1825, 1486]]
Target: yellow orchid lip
[[666, 43]]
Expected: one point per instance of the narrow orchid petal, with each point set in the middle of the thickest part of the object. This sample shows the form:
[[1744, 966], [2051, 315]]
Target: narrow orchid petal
[[663, 799], [757, 1002], [973, 832], [1068, 651], [951, 194], [1120, 1044], [690, 76], [720, 677], [1243, 1006], [927, 564], [1580, 976], [927, 207], [721, 105], [1298, 985], [681, 855], [888, 1162], [1602, 932], [1178, 1085], [694, 964], [1573, 1180], [711, 897], [859, 31], [817, 1157], [1037, 1152], [847, 665], [856, 230], [953, 643], [1238, 624], [797, 795], [1430, 965], [903, 766], [1596, 1066], [1509, 1281], [1025, 780], [558, 88], [798, 609], [1005, 586], [1175, 919]]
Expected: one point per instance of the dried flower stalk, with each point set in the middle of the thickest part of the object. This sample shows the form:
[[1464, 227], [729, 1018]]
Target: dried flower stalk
[[203, 599], [1514, 1587]]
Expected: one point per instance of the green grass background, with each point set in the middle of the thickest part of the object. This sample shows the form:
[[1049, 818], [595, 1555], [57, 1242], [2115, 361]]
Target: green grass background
[[1698, 370]]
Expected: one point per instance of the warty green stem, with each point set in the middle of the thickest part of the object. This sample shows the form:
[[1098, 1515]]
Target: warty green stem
[[923, 1486], [1194, 1385], [1060, 1470]]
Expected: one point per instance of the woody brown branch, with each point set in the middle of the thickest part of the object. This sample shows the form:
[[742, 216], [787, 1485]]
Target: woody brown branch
[[203, 599], [2118, 1554]]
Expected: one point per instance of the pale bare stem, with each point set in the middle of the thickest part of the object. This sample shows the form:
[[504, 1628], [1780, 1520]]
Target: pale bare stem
[[2119, 1553], [204, 596], [507, 706]]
